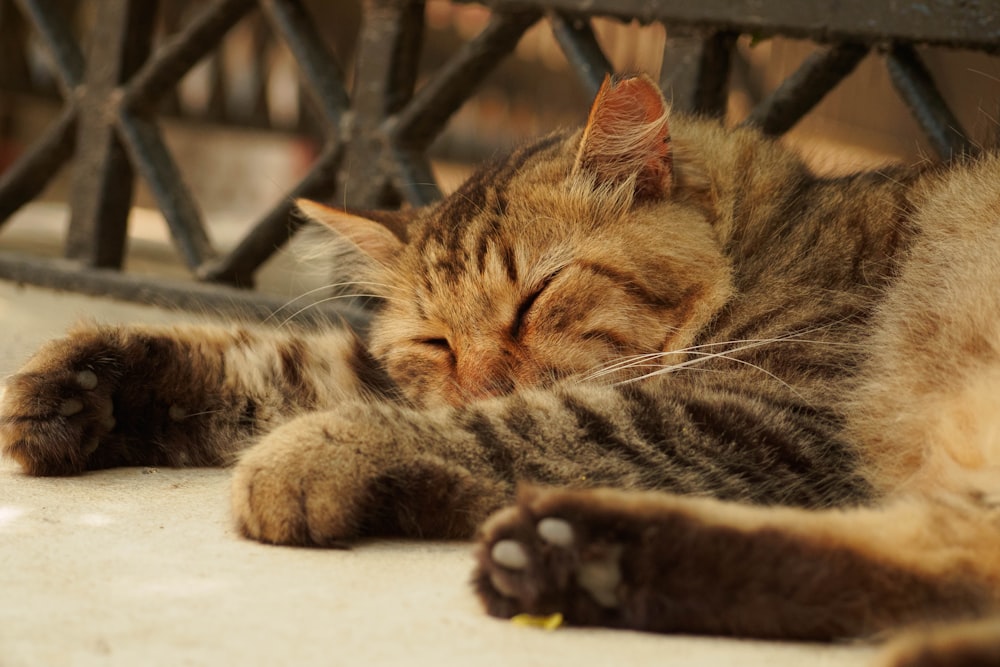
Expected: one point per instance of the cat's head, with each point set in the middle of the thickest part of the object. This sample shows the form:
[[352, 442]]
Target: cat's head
[[573, 253]]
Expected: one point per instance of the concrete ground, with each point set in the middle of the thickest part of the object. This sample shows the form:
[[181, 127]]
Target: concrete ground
[[141, 566]]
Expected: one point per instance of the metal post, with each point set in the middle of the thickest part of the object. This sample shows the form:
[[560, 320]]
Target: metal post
[[102, 179]]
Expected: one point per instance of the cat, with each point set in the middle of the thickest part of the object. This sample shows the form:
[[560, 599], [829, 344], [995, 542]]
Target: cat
[[668, 378]]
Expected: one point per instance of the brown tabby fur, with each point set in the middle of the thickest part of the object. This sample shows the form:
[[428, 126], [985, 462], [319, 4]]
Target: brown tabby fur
[[790, 383]]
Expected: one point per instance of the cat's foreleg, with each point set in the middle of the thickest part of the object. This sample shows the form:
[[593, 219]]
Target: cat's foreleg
[[663, 563], [378, 468], [108, 396], [365, 469]]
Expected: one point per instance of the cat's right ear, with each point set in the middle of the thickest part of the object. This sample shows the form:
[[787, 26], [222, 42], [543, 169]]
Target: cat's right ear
[[380, 234], [627, 138]]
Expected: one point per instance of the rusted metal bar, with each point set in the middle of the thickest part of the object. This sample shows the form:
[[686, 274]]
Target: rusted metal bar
[[417, 125], [274, 230], [101, 192], [942, 22], [321, 72], [917, 88], [59, 42], [153, 161], [180, 52], [805, 87], [577, 40], [695, 70], [26, 178], [173, 294]]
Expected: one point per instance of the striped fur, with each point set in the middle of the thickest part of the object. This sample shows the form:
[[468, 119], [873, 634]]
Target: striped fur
[[654, 304]]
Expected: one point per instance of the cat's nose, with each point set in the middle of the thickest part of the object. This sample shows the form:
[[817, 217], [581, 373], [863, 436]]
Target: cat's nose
[[486, 373]]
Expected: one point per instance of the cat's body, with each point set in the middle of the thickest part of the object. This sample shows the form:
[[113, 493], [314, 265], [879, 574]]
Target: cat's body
[[686, 311]]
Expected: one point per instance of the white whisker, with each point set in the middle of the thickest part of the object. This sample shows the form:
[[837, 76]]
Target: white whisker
[[331, 298], [641, 361], [673, 368], [197, 414], [322, 288]]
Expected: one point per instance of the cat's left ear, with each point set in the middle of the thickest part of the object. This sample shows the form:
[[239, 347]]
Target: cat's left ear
[[627, 135], [378, 234]]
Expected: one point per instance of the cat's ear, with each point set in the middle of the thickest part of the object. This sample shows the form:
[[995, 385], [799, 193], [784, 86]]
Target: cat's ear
[[378, 234], [627, 136]]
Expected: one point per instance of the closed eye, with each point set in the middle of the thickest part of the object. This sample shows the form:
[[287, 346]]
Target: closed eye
[[526, 305], [440, 344]]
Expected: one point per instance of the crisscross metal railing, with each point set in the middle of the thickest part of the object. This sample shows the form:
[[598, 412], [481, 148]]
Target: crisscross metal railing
[[376, 135]]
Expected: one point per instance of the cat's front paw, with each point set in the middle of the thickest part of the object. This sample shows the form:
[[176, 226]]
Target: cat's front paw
[[293, 487], [328, 477], [58, 412]]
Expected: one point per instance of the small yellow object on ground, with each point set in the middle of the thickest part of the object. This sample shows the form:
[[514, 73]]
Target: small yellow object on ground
[[545, 622]]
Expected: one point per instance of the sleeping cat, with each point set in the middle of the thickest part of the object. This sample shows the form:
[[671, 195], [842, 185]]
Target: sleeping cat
[[738, 399]]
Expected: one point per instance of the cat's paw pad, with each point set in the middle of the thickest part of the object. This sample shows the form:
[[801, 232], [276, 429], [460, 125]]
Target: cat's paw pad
[[539, 563], [599, 575], [57, 411]]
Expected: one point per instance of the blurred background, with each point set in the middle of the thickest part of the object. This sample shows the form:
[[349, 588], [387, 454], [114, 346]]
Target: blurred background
[[243, 133]]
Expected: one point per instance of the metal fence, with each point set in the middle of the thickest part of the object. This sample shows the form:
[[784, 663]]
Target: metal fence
[[113, 98]]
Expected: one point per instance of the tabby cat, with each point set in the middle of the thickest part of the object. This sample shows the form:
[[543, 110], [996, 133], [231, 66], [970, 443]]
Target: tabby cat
[[736, 398]]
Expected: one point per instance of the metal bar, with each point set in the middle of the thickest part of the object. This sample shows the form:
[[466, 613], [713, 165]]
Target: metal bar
[[58, 39], [422, 119], [216, 108], [943, 22], [386, 55], [406, 45], [153, 162], [916, 86], [173, 294], [101, 192], [818, 74], [695, 70], [577, 40], [180, 52], [322, 73], [27, 177], [681, 69], [274, 230], [14, 73], [257, 113], [414, 178]]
